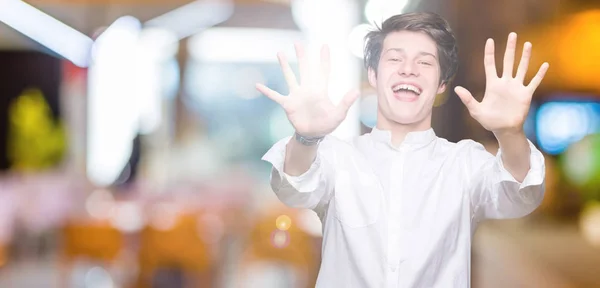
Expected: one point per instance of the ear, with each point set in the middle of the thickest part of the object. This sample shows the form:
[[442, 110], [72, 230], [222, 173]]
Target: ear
[[372, 77], [442, 88]]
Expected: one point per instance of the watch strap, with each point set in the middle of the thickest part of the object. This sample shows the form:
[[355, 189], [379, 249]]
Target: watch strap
[[308, 141]]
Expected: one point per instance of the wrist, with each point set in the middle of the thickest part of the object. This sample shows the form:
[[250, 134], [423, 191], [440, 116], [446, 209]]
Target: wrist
[[511, 138], [308, 140], [509, 133]]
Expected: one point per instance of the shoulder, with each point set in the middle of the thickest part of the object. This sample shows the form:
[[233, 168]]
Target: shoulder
[[337, 143], [361, 140], [462, 145], [465, 148]]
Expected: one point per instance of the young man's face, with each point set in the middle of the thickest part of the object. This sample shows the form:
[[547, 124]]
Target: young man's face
[[408, 77]]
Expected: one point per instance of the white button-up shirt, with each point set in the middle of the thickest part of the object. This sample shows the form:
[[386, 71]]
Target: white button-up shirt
[[403, 216]]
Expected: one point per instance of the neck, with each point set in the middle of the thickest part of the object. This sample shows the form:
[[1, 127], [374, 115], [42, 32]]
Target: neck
[[399, 130]]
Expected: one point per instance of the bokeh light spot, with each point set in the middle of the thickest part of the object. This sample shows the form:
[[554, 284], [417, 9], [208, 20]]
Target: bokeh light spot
[[283, 222], [280, 239]]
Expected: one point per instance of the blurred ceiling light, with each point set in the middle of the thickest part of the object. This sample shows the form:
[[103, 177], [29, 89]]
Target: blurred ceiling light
[[158, 43], [325, 18], [243, 44], [378, 11], [156, 47], [113, 118], [46, 30], [194, 17], [305, 12], [356, 39], [124, 30], [125, 93]]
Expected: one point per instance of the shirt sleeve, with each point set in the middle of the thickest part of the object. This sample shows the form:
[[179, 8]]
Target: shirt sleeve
[[495, 193], [309, 190]]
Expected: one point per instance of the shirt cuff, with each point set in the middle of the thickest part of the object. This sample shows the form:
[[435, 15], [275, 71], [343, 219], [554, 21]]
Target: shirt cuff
[[305, 183], [536, 173]]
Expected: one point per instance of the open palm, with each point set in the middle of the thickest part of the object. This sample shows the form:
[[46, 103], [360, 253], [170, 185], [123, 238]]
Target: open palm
[[308, 106], [506, 101]]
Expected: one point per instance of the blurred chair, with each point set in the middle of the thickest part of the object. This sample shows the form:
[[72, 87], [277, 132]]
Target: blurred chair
[[3, 255], [276, 243], [5, 273], [177, 246], [96, 241]]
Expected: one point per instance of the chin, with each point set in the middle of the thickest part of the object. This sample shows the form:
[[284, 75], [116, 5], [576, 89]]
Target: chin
[[403, 116], [406, 113], [406, 119]]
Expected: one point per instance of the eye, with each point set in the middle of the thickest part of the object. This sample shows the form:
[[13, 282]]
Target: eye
[[426, 63], [395, 59]]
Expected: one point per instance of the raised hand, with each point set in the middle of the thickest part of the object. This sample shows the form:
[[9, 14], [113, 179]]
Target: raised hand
[[506, 101], [308, 106]]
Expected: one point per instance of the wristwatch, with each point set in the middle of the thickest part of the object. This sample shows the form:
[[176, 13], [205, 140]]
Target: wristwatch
[[308, 141]]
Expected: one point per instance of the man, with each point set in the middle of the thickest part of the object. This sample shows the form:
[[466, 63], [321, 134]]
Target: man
[[399, 206]]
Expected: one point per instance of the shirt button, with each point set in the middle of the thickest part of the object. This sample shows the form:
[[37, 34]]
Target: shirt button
[[393, 269]]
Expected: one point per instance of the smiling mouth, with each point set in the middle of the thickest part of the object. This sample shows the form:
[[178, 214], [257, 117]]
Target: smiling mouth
[[406, 92]]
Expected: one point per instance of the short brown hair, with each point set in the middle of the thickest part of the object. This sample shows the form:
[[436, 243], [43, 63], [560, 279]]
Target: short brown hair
[[429, 23]]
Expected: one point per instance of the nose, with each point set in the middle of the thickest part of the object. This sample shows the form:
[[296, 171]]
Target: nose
[[408, 68]]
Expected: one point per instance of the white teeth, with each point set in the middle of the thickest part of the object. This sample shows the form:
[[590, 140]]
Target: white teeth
[[406, 87]]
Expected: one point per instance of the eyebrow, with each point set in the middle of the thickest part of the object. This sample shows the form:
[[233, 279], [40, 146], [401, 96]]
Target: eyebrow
[[421, 53]]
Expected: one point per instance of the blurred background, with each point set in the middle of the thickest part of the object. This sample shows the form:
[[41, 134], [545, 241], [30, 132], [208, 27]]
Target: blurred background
[[131, 136]]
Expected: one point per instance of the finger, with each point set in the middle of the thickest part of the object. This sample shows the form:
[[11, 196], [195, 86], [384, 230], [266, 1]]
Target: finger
[[489, 60], [537, 79], [524, 64], [509, 55], [467, 98], [288, 73], [302, 63], [273, 95], [325, 67], [347, 102]]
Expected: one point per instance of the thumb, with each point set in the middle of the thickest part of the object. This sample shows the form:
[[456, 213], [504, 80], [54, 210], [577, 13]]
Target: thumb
[[467, 98], [347, 101]]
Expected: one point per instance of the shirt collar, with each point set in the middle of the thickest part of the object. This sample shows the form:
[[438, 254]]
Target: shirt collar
[[415, 138]]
